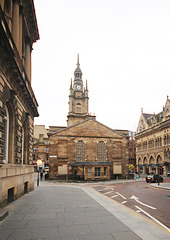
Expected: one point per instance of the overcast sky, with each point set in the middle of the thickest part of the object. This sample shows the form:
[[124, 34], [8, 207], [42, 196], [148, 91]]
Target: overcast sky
[[124, 48]]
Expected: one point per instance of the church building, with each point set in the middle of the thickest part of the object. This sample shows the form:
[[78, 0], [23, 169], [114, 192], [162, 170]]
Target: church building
[[86, 149]]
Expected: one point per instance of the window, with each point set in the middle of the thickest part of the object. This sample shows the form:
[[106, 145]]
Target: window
[[105, 171], [8, 144], [97, 172], [24, 157], [101, 151], [89, 172], [80, 151], [6, 135], [78, 108], [47, 149]]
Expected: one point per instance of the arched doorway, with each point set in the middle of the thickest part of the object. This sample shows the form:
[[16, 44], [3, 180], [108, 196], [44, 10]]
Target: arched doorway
[[145, 166], [152, 165], [159, 165], [140, 166]]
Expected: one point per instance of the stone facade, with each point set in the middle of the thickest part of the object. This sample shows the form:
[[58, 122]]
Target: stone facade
[[18, 105], [153, 142], [88, 150]]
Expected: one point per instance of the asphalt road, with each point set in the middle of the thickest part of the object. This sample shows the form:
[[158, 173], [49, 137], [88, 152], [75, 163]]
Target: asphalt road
[[154, 203]]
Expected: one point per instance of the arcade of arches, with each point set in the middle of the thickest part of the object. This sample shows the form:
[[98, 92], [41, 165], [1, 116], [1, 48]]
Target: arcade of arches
[[152, 164]]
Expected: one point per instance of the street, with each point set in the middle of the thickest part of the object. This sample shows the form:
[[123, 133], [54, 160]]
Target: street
[[140, 196]]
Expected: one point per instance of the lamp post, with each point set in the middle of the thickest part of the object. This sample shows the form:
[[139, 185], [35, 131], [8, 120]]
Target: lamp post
[[39, 163], [67, 172], [158, 171]]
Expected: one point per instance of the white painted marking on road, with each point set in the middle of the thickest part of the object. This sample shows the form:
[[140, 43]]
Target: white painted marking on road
[[114, 196], [102, 189], [108, 192], [121, 195], [112, 189], [123, 202], [153, 218], [136, 199]]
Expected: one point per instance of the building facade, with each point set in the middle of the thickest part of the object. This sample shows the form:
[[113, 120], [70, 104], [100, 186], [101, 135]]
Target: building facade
[[153, 142], [40, 145], [18, 105], [86, 149]]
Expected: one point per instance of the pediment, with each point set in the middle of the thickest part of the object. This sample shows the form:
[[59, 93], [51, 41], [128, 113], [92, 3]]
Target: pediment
[[89, 128]]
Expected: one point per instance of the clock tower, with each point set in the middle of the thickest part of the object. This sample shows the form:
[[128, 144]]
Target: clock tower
[[78, 98]]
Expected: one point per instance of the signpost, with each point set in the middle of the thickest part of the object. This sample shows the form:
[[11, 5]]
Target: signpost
[[39, 163]]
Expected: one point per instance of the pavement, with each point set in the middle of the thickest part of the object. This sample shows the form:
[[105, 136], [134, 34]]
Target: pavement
[[67, 211]]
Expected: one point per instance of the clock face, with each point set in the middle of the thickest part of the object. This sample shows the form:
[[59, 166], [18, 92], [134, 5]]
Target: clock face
[[78, 87]]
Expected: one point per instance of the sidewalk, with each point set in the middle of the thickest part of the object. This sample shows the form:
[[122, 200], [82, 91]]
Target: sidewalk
[[67, 212], [161, 185]]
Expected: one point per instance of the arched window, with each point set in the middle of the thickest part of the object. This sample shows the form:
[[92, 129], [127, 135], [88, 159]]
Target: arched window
[[24, 157], [80, 151], [78, 108], [101, 151], [6, 135]]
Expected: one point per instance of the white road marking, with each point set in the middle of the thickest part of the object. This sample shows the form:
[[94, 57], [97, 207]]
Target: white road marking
[[108, 192], [114, 196], [123, 202], [136, 199], [121, 195], [112, 189], [102, 189], [153, 218]]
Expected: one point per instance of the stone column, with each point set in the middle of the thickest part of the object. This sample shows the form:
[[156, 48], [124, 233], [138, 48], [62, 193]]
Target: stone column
[[15, 27], [28, 58]]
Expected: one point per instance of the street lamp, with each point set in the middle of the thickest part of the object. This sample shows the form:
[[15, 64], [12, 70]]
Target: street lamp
[[158, 171], [39, 163]]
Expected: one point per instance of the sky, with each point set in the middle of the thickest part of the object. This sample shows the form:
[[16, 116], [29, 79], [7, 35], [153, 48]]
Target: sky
[[124, 53]]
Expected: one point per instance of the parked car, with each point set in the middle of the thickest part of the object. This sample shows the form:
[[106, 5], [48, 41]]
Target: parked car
[[154, 178]]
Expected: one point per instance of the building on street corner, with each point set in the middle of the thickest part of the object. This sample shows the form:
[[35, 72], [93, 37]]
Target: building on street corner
[[86, 149], [18, 105], [153, 142]]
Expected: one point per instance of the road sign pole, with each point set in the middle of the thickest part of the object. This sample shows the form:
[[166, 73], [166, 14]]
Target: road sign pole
[[38, 177]]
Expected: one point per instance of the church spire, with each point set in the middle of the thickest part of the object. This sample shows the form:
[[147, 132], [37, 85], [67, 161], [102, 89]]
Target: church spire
[[78, 73], [78, 60], [71, 85], [86, 85]]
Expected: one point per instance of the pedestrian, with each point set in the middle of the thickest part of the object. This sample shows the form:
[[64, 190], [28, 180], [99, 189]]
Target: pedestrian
[[41, 175]]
